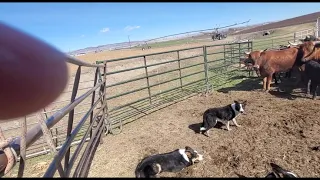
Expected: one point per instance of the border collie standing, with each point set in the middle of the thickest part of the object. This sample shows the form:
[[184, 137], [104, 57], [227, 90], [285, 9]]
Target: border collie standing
[[222, 114], [174, 161]]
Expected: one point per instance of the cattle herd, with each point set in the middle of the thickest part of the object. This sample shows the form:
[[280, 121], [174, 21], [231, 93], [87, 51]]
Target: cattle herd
[[303, 56]]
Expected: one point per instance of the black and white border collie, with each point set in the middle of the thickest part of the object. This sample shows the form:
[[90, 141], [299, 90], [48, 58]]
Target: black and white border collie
[[222, 114], [279, 172], [174, 161]]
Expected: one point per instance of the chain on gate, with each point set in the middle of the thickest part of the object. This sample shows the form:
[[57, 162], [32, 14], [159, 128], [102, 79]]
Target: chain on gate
[[107, 121], [11, 154]]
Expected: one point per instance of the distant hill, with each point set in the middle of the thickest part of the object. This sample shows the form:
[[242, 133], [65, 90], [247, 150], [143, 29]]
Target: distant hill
[[284, 23]]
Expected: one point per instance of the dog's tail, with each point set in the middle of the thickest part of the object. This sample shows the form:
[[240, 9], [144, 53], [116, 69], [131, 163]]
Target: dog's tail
[[147, 171], [207, 123]]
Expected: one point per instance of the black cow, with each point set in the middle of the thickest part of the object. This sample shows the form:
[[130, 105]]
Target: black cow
[[309, 38], [312, 73]]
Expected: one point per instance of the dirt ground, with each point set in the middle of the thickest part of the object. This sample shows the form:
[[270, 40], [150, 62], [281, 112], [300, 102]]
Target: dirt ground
[[276, 128]]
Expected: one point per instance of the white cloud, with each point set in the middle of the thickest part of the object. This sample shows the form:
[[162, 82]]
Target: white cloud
[[130, 28], [104, 30]]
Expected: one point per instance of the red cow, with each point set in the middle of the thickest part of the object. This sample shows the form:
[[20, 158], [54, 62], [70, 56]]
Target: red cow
[[309, 50], [252, 57], [271, 62]]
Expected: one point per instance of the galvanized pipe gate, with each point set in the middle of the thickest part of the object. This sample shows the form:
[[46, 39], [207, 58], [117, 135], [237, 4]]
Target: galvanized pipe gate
[[94, 133]]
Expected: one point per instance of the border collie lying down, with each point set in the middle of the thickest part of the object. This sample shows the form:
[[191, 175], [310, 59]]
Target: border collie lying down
[[222, 114], [174, 161], [277, 172]]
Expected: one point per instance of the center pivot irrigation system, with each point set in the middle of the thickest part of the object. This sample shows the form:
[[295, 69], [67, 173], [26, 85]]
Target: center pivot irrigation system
[[214, 33]]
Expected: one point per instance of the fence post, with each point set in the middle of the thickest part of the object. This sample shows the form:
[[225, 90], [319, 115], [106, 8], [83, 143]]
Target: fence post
[[232, 53], [206, 68], [147, 76], [239, 55], [317, 29], [93, 98], [71, 114], [102, 101], [179, 63], [272, 45], [249, 50], [224, 53], [106, 110], [294, 36]]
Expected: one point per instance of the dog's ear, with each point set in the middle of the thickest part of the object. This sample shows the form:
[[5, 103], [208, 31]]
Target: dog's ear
[[188, 148], [236, 102]]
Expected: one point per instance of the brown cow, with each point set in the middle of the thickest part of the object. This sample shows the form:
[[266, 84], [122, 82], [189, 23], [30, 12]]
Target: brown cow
[[252, 57], [309, 50], [271, 62]]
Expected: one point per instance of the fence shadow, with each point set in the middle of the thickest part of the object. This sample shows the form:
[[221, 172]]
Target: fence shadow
[[138, 110], [249, 84]]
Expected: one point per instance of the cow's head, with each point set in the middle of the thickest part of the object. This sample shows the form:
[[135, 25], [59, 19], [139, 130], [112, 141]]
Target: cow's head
[[251, 57], [308, 50], [250, 60]]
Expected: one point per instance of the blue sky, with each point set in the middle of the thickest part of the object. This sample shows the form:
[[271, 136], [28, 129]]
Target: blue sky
[[72, 26]]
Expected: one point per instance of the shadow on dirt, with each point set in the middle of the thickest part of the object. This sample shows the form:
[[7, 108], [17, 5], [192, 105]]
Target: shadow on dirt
[[196, 127], [286, 95], [249, 84], [240, 176], [287, 88]]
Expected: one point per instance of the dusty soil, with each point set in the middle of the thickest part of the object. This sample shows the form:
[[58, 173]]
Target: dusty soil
[[275, 128]]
